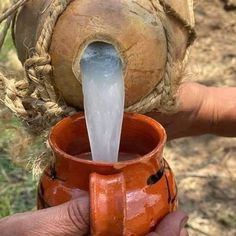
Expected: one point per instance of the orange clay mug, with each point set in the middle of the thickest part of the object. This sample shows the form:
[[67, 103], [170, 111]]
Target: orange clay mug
[[128, 197]]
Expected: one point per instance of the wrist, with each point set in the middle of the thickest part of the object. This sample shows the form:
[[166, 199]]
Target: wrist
[[206, 110], [196, 106], [222, 111]]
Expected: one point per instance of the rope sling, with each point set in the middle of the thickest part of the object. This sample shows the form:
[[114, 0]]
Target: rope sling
[[34, 97]]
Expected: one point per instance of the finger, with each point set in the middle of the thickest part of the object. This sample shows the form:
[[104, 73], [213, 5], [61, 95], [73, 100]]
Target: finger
[[172, 225], [69, 219], [78, 211]]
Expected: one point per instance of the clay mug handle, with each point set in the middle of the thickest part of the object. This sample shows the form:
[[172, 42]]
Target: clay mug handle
[[107, 204]]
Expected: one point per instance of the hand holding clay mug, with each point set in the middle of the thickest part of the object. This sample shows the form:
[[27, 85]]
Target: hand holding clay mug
[[134, 206], [128, 197], [72, 219]]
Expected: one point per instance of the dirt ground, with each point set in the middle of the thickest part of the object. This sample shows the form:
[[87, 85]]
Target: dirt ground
[[205, 166]]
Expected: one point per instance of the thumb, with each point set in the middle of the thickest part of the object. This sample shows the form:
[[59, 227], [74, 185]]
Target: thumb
[[69, 219], [76, 216], [173, 224]]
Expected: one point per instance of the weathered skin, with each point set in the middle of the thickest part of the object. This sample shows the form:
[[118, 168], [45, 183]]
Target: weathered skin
[[131, 26]]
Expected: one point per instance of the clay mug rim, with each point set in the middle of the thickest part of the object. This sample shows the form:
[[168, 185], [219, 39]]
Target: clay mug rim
[[80, 115]]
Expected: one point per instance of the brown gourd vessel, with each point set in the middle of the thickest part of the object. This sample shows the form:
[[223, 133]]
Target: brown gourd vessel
[[128, 197], [134, 28]]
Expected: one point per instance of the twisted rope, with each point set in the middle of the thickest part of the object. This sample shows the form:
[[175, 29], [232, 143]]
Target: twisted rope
[[40, 106], [35, 99], [4, 30], [14, 92], [190, 30], [11, 10], [8, 15], [39, 70]]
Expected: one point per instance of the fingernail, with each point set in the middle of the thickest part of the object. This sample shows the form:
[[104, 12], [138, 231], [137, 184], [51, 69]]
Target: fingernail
[[183, 222]]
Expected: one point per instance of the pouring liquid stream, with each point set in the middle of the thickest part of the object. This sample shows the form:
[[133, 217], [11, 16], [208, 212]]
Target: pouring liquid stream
[[103, 89]]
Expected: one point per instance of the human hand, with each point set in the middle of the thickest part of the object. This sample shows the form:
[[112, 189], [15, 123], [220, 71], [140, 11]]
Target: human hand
[[191, 119], [172, 225], [202, 110], [69, 219], [72, 219]]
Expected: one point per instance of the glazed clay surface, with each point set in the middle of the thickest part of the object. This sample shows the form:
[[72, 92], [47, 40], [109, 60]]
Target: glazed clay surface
[[126, 198]]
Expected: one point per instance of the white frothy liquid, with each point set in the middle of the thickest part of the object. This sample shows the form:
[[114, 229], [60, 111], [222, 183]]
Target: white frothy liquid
[[103, 90]]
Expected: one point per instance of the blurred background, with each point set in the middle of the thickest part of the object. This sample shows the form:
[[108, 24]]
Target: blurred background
[[205, 167]]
